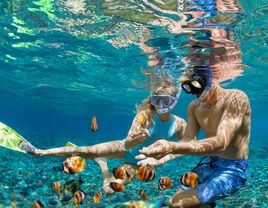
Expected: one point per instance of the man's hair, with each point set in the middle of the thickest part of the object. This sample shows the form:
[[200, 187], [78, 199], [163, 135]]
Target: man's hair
[[201, 70]]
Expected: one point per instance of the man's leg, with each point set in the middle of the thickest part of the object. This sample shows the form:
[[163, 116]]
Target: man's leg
[[184, 199], [216, 187]]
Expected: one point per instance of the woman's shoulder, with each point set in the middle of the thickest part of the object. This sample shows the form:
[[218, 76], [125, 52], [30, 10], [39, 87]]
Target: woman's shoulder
[[178, 120], [180, 125]]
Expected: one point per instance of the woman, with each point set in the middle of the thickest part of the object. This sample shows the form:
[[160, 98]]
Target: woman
[[152, 122]]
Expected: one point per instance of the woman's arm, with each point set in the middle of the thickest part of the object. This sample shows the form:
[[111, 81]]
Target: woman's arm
[[180, 125], [113, 149], [138, 131]]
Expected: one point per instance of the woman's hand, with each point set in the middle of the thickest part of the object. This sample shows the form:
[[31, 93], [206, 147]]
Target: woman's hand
[[148, 160], [158, 149], [136, 139]]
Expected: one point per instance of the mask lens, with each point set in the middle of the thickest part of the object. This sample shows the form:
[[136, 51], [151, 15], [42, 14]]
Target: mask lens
[[155, 100], [162, 100], [167, 101], [196, 84], [186, 88]]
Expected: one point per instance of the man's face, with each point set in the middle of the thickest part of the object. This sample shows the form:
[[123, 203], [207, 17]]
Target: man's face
[[196, 85]]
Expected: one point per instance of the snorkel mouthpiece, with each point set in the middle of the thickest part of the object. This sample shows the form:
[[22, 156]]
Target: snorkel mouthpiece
[[163, 111]]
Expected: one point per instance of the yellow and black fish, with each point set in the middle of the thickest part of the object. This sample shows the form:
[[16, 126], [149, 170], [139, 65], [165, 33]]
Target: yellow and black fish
[[74, 165], [189, 179], [165, 183], [12, 204], [97, 197], [56, 185], [142, 119], [38, 204], [66, 192], [129, 173], [94, 125], [117, 187], [119, 173], [143, 195], [79, 197], [146, 173]]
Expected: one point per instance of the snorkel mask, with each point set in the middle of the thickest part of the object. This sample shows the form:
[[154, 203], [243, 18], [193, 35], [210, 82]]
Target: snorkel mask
[[199, 84], [164, 103]]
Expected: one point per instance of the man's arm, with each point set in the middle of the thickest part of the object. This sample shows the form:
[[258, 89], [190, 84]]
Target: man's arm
[[169, 157], [156, 162], [185, 132], [192, 127], [231, 122], [180, 132]]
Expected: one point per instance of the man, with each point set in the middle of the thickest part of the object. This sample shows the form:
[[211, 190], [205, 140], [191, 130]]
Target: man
[[225, 116]]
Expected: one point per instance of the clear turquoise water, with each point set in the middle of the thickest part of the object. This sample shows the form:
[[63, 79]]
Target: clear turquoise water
[[58, 68]]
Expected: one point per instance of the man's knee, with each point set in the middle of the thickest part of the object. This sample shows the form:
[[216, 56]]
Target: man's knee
[[170, 203], [174, 204], [177, 204], [184, 199]]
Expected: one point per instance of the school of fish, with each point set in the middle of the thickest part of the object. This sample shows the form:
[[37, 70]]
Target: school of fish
[[71, 189]]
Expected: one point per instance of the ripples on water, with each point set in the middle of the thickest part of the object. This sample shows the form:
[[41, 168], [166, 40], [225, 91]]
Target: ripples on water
[[72, 55], [56, 50]]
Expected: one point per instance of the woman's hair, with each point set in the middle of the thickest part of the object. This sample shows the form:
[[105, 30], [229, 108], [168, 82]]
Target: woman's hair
[[170, 90], [166, 89]]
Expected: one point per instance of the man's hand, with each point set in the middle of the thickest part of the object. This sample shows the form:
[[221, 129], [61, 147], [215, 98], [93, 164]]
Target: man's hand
[[148, 160], [158, 149]]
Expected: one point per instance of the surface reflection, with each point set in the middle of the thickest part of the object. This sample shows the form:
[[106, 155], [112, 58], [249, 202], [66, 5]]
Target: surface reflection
[[113, 42]]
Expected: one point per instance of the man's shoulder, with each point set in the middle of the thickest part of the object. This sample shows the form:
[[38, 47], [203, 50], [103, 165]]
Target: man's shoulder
[[193, 104], [237, 98], [237, 94], [237, 91], [192, 107]]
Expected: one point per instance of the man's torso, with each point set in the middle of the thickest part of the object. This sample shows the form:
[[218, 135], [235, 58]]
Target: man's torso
[[209, 118]]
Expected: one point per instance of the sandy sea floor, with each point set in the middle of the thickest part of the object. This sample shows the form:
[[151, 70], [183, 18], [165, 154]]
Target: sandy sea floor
[[25, 179]]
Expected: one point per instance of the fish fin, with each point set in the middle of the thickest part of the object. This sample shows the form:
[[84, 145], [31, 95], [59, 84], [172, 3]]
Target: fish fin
[[159, 187], [70, 144], [83, 162]]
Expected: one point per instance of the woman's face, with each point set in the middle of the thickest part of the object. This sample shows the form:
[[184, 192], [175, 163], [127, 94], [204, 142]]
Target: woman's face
[[163, 103]]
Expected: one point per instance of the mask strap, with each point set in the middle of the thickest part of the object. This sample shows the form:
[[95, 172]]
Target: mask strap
[[178, 93], [209, 74]]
